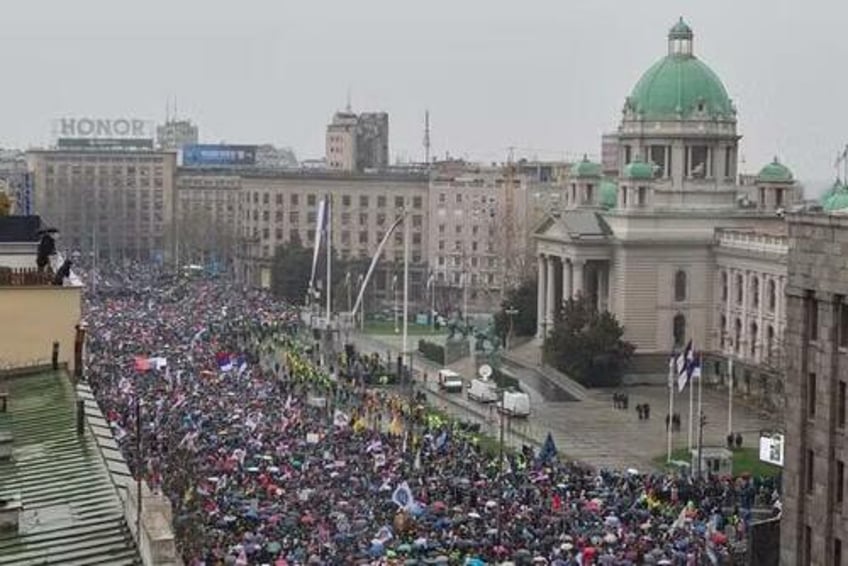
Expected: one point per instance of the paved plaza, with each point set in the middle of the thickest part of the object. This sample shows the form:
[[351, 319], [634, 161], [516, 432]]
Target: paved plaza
[[592, 430]]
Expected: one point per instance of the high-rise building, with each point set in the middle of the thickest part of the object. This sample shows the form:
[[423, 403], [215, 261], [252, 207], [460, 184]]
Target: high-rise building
[[117, 202], [813, 529], [358, 142], [174, 134]]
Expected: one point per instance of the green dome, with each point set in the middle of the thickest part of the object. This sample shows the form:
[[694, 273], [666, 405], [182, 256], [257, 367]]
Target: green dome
[[680, 86], [775, 172], [608, 194], [586, 168], [836, 197], [638, 169]]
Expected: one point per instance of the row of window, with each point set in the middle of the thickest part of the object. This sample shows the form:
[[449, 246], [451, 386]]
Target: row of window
[[346, 200], [457, 246], [456, 261], [753, 338], [754, 289], [312, 217], [475, 229]]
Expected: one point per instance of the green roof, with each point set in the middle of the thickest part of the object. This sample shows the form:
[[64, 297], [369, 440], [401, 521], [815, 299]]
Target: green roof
[[608, 195], [586, 168], [638, 169], [775, 172], [680, 86], [680, 30], [836, 198], [71, 510]]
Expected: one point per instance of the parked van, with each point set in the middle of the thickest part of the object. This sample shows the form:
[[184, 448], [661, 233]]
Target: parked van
[[515, 404], [450, 381], [483, 391]]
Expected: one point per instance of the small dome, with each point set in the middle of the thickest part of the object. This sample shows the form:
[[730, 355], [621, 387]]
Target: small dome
[[775, 172], [608, 196], [586, 168], [638, 169], [680, 86], [680, 30], [836, 198]]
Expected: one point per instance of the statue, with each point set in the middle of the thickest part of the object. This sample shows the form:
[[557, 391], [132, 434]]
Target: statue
[[456, 330]]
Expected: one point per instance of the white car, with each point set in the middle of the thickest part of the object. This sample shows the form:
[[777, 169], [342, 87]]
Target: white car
[[450, 381]]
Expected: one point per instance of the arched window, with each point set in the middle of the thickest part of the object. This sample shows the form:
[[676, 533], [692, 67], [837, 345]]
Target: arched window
[[724, 286], [753, 338], [723, 331], [740, 288], [772, 295], [770, 341], [755, 292], [679, 330], [737, 335], [680, 286]]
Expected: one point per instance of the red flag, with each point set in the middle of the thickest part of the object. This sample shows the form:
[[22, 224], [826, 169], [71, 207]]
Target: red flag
[[556, 504], [142, 364]]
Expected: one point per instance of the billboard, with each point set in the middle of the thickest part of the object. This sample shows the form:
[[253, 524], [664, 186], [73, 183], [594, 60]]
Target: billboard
[[771, 448], [218, 155], [103, 128]]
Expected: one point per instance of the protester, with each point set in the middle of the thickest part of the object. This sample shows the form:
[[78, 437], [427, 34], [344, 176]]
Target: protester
[[269, 460]]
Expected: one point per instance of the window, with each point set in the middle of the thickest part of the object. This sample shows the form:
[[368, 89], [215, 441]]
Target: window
[[278, 233], [295, 200], [627, 154], [416, 239], [458, 228], [697, 165], [770, 341], [728, 162], [772, 295], [475, 229], [778, 198], [837, 551], [345, 218], [294, 236], [811, 395], [641, 196], [737, 335], [679, 329], [345, 200], [363, 219], [680, 286], [441, 245], [753, 342], [724, 286], [266, 198], [840, 404], [442, 198], [363, 237], [363, 201], [474, 246], [812, 317], [808, 472], [417, 221], [398, 202], [416, 202], [755, 292], [381, 202], [279, 199], [441, 228], [381, 218], [808, 545], [843, 323], [840, 484], [723, 331], [294, 217], [311, 217], [278, 216], [740, 288], [458, 198], [310, 200]]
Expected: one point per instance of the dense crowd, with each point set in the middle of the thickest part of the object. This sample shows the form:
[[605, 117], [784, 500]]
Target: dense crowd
[[270, 458]]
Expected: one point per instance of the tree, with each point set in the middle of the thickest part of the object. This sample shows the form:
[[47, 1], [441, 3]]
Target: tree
[[588, 345], [523, 300], [290, 271]]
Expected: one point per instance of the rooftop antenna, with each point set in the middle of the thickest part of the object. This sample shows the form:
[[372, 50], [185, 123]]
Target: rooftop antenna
[[347, 106], [176, 113], [427, 138]]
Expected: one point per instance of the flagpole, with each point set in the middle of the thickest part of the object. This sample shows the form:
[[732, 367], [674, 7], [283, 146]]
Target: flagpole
[[406, 287], [700, 393], [669, 427], [730, 395], [691, 410], [329, 283]]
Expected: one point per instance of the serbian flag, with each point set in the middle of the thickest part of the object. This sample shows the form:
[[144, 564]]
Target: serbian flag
[[556, 503], [225, 361], [141, 364]]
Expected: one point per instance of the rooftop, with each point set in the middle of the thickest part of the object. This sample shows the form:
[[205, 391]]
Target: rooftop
[[71, 510]]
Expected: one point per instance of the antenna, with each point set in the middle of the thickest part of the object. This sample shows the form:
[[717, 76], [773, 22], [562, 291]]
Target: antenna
[[347, 106], [176, 113], [427, 138]]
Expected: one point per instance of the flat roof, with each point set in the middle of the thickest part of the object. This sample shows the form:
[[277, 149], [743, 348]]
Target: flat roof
[[71, 510]]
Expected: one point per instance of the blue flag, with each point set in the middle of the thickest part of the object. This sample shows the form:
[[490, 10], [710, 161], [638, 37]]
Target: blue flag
[[548, 451]]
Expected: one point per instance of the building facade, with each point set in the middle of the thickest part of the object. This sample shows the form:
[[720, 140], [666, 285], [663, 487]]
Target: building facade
[[358, 143], [174, 134], [648, 246], [118, 203], [813, 527], [279, 207]]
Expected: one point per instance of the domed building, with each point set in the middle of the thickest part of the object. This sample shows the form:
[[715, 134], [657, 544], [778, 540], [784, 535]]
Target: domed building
[[674, 246]]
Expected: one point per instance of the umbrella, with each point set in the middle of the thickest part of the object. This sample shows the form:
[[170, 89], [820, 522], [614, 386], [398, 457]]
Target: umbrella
[[273, 547]]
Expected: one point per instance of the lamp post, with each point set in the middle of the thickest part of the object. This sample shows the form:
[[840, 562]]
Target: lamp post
[[510, 311]]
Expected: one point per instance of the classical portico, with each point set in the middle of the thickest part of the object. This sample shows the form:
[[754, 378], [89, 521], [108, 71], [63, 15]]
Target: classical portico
[[564, 277]]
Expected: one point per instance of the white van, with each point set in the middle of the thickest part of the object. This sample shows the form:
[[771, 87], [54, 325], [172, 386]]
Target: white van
[[515, 404], [483, 391], [450, 381]]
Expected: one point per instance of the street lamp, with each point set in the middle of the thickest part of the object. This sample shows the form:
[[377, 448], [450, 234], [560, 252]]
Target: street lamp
[[510, 311]]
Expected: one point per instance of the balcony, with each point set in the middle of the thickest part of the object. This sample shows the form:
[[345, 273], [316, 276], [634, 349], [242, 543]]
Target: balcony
[[752, 241]]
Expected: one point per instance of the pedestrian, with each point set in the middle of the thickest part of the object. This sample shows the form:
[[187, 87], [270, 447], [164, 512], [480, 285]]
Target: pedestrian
[[647, 409], [738, 441]]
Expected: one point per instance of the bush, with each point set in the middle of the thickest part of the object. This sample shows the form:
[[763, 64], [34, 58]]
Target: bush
[[432, 352], [505, 381]]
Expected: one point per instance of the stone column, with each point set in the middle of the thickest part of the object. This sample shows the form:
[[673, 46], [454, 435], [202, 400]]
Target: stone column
[[549, 300], [603, 287], [761, 309], [566, 280], [779, 310], [541, 293], [728, 320], [577, 266], [744, 337]]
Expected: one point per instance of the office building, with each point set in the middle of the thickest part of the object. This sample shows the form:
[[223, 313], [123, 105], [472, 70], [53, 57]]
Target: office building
[[813, 527], [358, 143], [174, 134]]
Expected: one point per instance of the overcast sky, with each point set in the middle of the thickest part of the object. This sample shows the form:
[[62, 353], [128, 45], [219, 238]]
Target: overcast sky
[[545, 77]]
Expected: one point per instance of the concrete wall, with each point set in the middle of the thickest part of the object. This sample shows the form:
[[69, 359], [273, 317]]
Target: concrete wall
[[32, 318]]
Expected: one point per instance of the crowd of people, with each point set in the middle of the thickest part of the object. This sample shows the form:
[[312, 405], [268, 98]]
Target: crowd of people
[[269, 456]]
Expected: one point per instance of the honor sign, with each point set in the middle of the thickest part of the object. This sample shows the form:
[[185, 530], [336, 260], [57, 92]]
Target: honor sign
[[98, 128]]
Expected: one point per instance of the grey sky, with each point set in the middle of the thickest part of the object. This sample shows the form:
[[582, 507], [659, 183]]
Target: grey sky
[[545, 77]]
